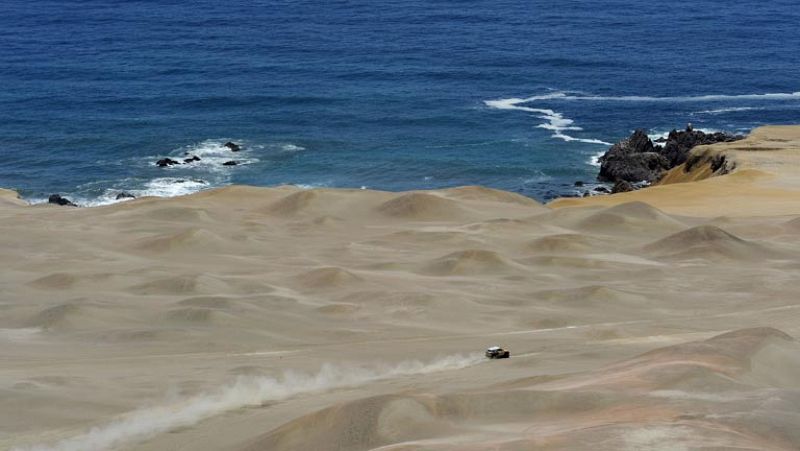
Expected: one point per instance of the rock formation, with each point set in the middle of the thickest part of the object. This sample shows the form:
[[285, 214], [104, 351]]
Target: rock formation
[[637, 159]]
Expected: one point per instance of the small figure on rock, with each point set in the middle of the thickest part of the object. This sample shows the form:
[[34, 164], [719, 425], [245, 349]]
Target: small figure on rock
[[233, 146], [58, 200]]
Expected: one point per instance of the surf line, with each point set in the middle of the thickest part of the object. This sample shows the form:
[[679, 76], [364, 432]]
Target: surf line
[[555, 121], [147, 422]]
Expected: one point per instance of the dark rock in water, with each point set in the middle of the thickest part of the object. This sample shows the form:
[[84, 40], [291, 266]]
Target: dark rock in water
[[191, 159], [632, 159], [622, 187], [637, 159], [230, 163], [233, 146], [587, 194], [601, 189], [166, 162], [578, 183], [58, 200], [125, 195]]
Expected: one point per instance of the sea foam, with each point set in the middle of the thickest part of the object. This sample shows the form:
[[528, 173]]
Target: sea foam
[[555, 121]]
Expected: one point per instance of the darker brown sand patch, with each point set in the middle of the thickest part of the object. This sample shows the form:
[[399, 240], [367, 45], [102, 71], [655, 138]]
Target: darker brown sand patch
[[191, 239], [55, 281], [472, 261], [295, 203], [563, 243], [55, 317], [329, 277]]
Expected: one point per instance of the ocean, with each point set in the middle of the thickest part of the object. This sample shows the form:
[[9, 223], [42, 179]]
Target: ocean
[[389, 95]]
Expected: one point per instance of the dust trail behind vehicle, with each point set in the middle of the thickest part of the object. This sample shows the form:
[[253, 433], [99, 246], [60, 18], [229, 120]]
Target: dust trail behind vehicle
[[245, 391]]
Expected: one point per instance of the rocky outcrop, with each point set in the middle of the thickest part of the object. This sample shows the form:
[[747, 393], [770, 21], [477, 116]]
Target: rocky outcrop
[[633, 159], [676, 148], [230, 163], [233, 146], [636, 159], [622, 187], [125, 195], [164, 162], [56, 199], [191, 159]]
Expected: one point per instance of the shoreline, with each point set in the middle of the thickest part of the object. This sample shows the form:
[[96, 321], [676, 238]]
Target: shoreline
[[696, 191]]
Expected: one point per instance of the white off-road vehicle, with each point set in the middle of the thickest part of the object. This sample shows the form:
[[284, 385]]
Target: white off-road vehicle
[[496, 352]]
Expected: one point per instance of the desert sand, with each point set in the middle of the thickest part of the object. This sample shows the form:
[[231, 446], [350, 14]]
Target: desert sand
[[248, 318]]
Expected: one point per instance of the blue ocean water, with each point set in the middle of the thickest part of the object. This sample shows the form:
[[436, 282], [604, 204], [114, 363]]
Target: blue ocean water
[[390, 95]]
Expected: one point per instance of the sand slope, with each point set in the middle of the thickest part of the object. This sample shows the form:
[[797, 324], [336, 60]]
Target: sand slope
[[287, 319]]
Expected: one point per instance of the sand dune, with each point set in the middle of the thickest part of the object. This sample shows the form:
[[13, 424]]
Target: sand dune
[[330, 277], [633, 217], [421, 207], [708, 242], [470, 261], [249, 318], [563, 243]]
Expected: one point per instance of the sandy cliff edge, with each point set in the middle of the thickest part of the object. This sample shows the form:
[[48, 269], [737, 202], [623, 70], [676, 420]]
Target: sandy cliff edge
[[765, 180]]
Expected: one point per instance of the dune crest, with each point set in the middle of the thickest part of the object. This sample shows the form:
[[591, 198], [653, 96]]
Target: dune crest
[[421, 207], [707, 242], [471, 261]]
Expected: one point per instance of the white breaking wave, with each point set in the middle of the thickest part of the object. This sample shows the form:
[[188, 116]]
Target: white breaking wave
[[292, 148], [213, 153], [158, 187], [661, 135], [556, 122], [700, 98], [594, 160], [170, 187], [728, 110], [244, 391]]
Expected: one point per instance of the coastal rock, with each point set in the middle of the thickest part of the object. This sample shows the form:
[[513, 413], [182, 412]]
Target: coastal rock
[[58, 200], [579, 183], [230, 163], [679, 143], [633, 159], [636, 159], [125, 195], [601, 189], [233, 146], [164, 162], [622, 187], [191, 159]]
